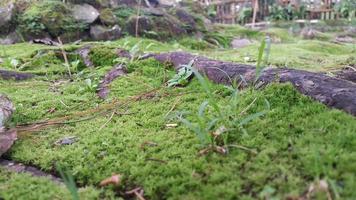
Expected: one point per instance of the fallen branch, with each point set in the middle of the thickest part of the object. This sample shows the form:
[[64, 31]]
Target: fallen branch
[[333, 92]]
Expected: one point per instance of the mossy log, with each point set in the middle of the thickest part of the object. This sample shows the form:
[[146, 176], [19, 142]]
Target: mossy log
[[333, 92]]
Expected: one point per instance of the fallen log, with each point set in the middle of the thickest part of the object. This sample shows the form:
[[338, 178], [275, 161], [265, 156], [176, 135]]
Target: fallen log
[[333, 92], [18, 76]]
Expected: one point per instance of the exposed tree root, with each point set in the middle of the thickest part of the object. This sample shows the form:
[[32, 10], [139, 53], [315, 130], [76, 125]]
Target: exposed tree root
[[117, 71], [18, 76], [347, 74], [21, 168], [333, 92]]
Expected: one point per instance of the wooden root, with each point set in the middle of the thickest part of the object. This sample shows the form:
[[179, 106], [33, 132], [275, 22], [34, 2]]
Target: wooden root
[[333, 92]]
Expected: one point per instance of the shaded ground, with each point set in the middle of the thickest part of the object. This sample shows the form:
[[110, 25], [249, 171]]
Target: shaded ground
[[298, 142]]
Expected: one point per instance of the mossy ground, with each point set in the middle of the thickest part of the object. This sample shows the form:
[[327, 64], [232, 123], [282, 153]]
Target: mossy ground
[[298, 142]]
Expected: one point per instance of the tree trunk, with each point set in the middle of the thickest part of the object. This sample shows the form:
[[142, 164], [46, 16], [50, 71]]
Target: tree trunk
[[333, 92]]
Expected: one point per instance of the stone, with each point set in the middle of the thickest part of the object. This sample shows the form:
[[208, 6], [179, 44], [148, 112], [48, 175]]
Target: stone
[[7, 139], [6, 110], [187, 19], [161, 28], [154, 11], [11, 38], [344, 39], [98, 32], [117, 3], [85, 13], [66, 141], [238, 43], [351, 31], [308, 33], [144, 25], [167, 3], [7, 13]]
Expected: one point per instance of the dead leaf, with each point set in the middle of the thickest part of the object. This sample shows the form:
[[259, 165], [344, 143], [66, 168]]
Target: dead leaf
[[219, 131], [171, 125], [7, 139], [52, 110], [115, 179], [204, 151], [319, 186], [138, 192], [220, 150]]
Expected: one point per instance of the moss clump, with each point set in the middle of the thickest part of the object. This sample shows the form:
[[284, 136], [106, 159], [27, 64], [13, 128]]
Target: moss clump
[[39, 188], [53, 17], [107, 17], [44, 59], [102, 56]]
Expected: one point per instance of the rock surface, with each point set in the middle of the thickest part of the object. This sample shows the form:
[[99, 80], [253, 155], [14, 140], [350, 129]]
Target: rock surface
[[7, 13], [238, 43], [7, 139], [99, 32], [85, 13], [6, 110], [11, 38], [187, 19], [308, 33], [344, 39]]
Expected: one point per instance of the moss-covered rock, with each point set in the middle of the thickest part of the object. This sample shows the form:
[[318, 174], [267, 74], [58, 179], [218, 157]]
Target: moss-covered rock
[[98, 32], [187, 20], [123, 13], [52, 17], [156, 27], [107, 17], [102, 56]]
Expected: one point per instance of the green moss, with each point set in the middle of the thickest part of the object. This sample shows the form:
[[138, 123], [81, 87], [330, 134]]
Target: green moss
[[38, 188], [123, 13], [280, 35], [195, 44], [102, 56], [298, 141], [107, 17]]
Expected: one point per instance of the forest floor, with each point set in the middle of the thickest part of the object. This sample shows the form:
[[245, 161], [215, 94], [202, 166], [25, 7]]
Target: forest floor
[[297, 146]]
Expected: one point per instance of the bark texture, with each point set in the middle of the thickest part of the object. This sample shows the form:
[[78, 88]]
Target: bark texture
[[333, 92]]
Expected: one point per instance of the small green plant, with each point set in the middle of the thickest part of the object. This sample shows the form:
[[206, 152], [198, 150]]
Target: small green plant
[[69, 182], [90, 85], [263, 56], [11, 63], [214, 122], [75, 64], [183, 75]]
